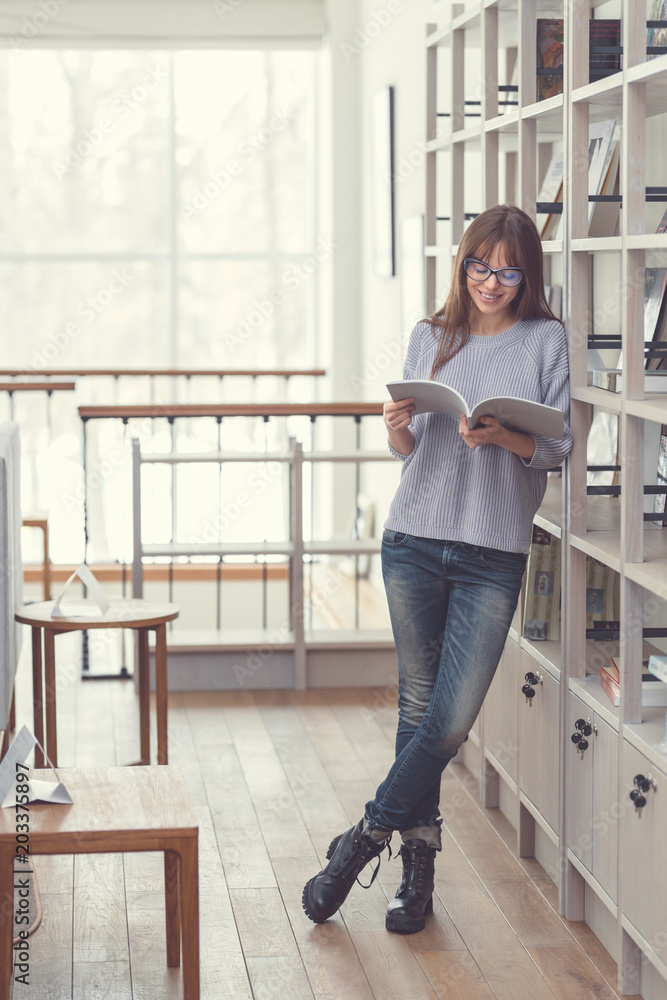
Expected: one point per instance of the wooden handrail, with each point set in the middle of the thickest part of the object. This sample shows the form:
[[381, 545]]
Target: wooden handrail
[[186, 372], [37, 386], [127, 411]]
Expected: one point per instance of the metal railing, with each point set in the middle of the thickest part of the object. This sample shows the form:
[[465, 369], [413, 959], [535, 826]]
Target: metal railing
[[295, 548]]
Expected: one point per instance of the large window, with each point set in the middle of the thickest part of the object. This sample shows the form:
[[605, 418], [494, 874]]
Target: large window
[[156, 207], [156, 210]]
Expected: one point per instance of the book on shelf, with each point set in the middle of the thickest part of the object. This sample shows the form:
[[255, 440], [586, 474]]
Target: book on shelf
[[551, 190], [541, 618], [605, 215], [542, 597], [600, 162], [603, 593], [653, 692], [604, 52], [655, 306], [549, 57], [657, 37], [611, 379], [513, 412], [655, 284], [661, 477], [657, 665], [604, 48]]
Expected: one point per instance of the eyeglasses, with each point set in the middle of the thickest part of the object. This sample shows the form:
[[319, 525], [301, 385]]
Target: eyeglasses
[[479, 271]]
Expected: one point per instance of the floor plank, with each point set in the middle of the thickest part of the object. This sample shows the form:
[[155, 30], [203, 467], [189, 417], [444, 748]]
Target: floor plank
[[273, 776]]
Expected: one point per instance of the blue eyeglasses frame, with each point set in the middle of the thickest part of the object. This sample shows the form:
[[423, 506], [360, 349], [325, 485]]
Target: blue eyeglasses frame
[[498, 271]]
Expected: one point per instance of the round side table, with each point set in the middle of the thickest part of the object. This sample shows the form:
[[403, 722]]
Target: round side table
[[123, 613]]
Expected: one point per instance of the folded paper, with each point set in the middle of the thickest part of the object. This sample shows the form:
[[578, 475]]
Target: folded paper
[[40, 791], [81, 609]]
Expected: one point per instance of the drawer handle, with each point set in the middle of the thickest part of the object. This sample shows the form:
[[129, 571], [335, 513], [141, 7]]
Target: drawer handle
[[532, 680], [583, 728], [642, 784]]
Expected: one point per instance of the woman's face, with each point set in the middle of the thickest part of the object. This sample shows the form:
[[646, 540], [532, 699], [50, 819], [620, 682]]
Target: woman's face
[[489, 297]]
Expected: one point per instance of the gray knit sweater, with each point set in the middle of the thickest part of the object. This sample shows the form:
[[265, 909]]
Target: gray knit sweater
[[487, 496]]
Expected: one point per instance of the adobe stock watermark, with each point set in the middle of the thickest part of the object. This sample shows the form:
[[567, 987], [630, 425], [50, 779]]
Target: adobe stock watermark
[[121, 106], [292, 278], [87, 311], [45, 11], [365, 33], [246, 152], [388, 353]]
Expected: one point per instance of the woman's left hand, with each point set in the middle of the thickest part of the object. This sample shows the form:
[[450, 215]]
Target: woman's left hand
[[491, 431]]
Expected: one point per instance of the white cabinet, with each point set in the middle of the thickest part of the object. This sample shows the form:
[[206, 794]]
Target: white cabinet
[[593, 811], [539, 739], [643, 868]]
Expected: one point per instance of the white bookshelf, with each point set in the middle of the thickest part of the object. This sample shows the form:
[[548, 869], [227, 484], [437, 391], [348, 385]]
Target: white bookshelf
[[628, 873]]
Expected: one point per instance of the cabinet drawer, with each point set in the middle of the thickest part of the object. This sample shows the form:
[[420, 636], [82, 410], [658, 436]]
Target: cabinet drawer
[[643, 854], [579, 788], [539, 770], [592, 810]]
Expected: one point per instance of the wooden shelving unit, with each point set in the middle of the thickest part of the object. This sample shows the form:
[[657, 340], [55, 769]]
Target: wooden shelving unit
[[573, 814]]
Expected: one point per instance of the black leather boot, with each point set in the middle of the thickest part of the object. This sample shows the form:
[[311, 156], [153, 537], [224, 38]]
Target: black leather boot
[[407, 911], [347, 855]]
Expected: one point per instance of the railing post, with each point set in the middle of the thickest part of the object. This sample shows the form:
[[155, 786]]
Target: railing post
[[137, 562], [297, 609]]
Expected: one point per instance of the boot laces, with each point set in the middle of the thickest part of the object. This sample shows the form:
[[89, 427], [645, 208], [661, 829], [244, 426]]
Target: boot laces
[[377, 867]]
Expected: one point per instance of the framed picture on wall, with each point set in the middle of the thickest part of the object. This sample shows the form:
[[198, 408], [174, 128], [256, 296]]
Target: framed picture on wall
[[382, 182], [411, 272]]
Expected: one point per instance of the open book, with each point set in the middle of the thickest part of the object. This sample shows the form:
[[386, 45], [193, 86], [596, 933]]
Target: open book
[[514, 413]]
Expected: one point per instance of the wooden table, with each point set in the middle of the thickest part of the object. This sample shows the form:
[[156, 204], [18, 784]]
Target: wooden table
[[122, 613], [117, 810]]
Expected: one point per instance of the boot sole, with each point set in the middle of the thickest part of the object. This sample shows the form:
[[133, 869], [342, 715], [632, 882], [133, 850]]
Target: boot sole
[[309, 910], [408, 925]]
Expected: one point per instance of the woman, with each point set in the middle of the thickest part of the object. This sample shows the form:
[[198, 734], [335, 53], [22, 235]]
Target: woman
[[455, 543]]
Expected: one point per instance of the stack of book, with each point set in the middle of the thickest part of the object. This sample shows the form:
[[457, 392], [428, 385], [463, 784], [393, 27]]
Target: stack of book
[[612, 380], [653, 691]]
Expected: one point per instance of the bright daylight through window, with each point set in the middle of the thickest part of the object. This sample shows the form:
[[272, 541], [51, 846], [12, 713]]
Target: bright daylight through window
[[155, 210]]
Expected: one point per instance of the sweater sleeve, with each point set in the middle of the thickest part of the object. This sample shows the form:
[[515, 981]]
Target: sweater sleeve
[[411, 358], [555, 389]]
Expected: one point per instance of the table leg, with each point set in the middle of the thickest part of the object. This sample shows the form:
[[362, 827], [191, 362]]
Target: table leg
[[37, 697], [50, 695], [172, 906], [7, 925], [144, 698], [12, 711], [161, 692], [189, 883]]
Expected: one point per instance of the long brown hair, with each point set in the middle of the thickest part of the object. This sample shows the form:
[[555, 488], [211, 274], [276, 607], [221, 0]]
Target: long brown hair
[[516, 231]]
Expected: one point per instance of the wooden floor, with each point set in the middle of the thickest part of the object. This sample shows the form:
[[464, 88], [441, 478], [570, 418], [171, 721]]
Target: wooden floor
[[273, 776]]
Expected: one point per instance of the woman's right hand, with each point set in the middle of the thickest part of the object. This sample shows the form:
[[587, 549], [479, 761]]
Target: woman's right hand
[[397, 414]]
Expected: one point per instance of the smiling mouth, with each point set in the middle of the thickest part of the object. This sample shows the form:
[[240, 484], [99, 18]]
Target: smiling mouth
[[488, 298]]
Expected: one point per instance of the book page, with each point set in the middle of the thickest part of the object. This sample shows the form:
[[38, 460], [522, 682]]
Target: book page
[[521, 415], [430, 397]]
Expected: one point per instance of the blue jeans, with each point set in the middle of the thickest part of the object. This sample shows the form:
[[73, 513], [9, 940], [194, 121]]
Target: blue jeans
[[451, 605]]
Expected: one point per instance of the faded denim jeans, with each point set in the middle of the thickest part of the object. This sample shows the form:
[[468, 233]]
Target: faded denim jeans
[[451, 605]]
